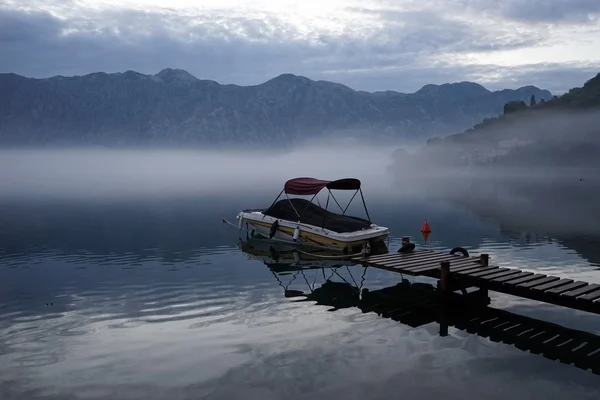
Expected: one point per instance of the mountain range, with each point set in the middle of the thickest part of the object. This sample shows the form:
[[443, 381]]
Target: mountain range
[[174, 107]]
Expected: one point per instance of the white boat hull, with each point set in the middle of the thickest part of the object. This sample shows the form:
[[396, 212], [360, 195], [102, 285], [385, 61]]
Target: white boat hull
[[310, 235]]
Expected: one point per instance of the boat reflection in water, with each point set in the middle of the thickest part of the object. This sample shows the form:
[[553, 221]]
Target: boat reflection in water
[[417, 304], [283, 257]]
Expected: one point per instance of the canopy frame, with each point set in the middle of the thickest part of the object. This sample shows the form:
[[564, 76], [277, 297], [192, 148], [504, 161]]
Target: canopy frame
[[315, 186]]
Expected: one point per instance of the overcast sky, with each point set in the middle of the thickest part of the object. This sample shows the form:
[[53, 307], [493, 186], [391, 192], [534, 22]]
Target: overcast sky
[[367, 45]]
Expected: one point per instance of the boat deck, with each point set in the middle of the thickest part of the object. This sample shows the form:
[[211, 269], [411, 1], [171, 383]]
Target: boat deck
[[476, 271]]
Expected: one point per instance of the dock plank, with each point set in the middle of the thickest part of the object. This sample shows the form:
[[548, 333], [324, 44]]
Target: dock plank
[[480, 271], [403, 267], [452, 262], [476, 274], [538, 282], [405, 256], [510, 277], [566, 288], [582, 290], [501, 274], [462, 271], [395, 263], [416, 265], [385, 255], [461, 267], [403, 260], [590, 296], [455, 266], [424, 269], [552, 285], [459, 264], [524, 279], [415, 262], [453, 258]]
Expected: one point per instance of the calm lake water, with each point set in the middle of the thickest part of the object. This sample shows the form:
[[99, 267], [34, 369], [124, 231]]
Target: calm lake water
[[151, 298]]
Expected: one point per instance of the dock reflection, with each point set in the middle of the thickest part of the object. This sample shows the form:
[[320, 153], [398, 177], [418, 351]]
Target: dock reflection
[[416, 304]]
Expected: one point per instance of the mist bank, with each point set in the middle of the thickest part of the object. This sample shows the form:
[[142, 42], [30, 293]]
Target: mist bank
[[341, 140], [105, 221], [561, 133], [538, 209], [540, 206], [90, 173], [204, 185], [548, 139]]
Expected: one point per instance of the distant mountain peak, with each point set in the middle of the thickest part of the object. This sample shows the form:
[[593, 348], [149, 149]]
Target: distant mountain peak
[[528, 87], [287, 77], [287, 83], [429, 88], [175, 74], [134, 74], [462, 87], [470, 85]]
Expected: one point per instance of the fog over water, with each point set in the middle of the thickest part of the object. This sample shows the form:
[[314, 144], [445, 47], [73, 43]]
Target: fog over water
[[113, 173], [552, 200], [103, 173]]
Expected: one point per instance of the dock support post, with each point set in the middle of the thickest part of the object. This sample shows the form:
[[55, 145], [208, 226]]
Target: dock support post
[[443, 322], [445, 285], [484, 260]]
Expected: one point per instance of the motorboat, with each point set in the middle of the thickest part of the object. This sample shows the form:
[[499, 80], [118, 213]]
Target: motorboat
[[294, 219]]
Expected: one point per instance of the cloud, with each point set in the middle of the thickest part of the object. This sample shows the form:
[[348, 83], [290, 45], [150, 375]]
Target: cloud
[[22, 27], [530, 11], [555, 77], [377, 46], [545, 11]]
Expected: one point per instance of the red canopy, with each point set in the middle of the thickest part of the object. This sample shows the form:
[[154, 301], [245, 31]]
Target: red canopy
[[306, 186]]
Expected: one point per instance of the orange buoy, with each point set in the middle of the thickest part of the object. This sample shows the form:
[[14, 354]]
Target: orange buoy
[[425, 231], [425, 228]]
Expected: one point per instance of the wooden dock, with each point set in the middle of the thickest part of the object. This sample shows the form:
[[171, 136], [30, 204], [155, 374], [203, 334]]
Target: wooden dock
[[456, 271]]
